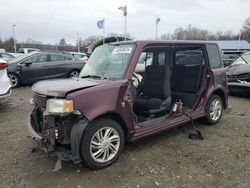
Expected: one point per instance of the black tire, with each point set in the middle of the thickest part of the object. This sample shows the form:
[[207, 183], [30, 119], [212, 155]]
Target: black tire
[[14, 79], [74, 73], [89, 136], [210, 119]]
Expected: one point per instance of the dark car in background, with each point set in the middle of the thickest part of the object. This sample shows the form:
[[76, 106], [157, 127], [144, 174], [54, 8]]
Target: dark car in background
[[36, 66], [240, 69], [238, 74]]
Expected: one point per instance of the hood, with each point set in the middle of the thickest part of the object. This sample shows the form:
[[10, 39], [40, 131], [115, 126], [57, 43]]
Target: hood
[[60, 87], [238, 69]]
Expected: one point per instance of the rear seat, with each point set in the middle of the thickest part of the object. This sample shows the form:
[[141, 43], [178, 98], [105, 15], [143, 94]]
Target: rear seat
[[185, 83]]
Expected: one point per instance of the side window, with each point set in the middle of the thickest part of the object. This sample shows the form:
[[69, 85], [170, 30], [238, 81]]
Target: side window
[[68, 58], [37, 59], [145, 59], [189, 57], [213, 56], [78, 56], [161, 58], [57, 58]]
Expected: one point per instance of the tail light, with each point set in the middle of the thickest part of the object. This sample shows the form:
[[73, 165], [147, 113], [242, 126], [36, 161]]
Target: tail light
[[3, 66], [85, 60]]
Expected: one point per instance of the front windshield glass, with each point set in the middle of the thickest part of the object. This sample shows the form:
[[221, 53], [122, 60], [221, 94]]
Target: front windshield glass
[[109, 61], [19, 58], [242, 60]]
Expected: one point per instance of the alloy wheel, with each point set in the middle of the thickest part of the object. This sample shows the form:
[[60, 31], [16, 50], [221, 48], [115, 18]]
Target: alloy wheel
[[13, 80], [215, 109], [104, 144], [74, 74]]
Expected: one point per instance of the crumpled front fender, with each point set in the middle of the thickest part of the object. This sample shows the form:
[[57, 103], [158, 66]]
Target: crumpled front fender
[[75, 139]]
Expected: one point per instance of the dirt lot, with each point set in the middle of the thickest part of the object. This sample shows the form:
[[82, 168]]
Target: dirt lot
[[165, 160]]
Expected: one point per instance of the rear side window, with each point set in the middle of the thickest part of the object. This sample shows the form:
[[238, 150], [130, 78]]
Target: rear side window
[[78, 56], [57, 58], [68, 58], [189, 57], [213, 56]]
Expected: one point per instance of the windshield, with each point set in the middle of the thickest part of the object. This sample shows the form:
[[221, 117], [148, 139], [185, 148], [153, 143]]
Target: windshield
[[19, 58], [242, 60], [109, 61]]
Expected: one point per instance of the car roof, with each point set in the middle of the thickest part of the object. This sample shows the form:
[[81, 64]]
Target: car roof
[[77, 53], [50, 52], [145, 42]]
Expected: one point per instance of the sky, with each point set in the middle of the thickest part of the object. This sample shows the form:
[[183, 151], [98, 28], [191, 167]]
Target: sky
[[50, 20]]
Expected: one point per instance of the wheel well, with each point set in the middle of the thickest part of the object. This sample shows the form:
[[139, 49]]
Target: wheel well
[[118, 119], [221, 94], [74, 70]]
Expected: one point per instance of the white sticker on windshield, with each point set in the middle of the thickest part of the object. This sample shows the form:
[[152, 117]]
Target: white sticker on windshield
[[122, 50]]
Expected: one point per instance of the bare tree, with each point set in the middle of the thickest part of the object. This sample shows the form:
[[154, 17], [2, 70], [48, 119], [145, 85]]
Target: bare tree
[[245, 32], [194, 33], [8, 45]]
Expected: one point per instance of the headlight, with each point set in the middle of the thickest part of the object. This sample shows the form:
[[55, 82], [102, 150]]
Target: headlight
[[59, 106]]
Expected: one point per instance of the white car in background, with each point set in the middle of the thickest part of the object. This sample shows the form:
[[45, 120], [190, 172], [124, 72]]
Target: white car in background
[[5, 85]]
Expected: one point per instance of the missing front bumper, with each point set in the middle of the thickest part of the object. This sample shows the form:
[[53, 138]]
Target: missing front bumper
[[47, 140]]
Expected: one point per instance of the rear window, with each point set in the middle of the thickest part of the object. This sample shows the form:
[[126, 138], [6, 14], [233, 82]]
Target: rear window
[[213, 56]]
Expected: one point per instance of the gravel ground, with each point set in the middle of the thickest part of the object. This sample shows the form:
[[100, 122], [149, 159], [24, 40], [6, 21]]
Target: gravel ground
[[170, 159]]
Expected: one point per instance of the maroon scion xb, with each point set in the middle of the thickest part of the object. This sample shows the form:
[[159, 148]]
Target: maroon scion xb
[[126, 92]]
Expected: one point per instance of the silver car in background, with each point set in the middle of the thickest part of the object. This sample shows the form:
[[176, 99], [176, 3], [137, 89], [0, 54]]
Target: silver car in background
[[5, 85]]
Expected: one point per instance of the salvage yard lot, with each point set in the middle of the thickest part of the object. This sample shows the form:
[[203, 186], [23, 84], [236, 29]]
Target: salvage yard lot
[[170, 159]]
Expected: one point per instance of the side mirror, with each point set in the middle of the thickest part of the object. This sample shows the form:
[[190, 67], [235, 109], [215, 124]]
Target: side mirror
[[27, 64]]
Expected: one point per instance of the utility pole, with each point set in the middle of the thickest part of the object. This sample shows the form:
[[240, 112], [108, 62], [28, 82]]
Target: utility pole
[[125, 29], [103, 31], [14, 37], [78, 43], [156, 26]]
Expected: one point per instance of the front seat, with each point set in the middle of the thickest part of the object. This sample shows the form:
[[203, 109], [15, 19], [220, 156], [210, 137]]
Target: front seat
[[155, 91]]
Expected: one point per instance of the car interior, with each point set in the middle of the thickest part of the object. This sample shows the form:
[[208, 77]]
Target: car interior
[[168, 76]]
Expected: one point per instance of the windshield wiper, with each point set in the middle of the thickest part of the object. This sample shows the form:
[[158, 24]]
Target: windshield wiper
[[92, 76], [243, 59]]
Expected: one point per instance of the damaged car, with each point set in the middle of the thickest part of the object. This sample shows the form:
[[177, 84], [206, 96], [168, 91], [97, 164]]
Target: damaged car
[[89, 119], [238, 74]]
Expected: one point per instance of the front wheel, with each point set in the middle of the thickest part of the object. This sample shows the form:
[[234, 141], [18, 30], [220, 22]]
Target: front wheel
[[214, 110], [102, 143], [14, 79], [74, 74]]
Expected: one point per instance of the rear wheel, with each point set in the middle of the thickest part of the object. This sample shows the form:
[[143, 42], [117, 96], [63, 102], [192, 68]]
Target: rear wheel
[[214, 110], [102, 143], [14, 79], [74, 74]]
